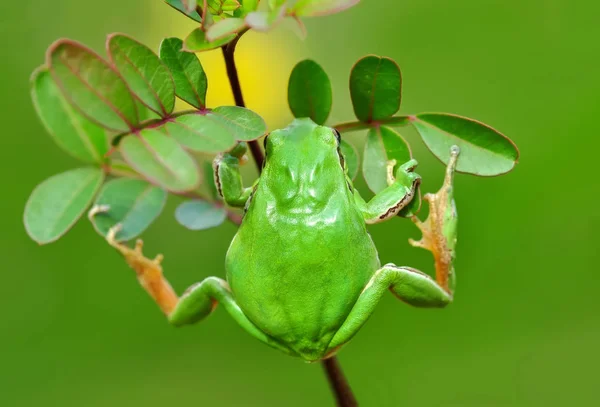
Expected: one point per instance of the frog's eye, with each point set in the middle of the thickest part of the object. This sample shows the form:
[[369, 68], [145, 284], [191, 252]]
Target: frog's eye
[[338, 136]]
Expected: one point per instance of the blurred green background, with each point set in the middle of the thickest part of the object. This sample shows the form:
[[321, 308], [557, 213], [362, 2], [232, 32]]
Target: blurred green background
[[77, 330]]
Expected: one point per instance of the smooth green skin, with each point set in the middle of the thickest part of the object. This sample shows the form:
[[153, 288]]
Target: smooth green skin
[[303, 274]]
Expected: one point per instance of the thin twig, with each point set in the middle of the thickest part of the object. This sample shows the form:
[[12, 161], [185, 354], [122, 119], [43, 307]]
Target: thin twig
[[234, 81], [339, 385], [335, 375]]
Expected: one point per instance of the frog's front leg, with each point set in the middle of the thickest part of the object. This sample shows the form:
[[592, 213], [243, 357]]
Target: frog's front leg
[[196, 303], [408, 284], [400, 191], [228, 179]]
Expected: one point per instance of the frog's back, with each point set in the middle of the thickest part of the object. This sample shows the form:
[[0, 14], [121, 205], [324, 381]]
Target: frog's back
[[302, 255]]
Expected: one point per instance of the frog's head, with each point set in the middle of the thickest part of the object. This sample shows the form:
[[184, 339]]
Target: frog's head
[[304, 149]]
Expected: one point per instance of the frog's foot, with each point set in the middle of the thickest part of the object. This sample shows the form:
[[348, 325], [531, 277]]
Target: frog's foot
[[439, 229], [408, 284], [148, 271]]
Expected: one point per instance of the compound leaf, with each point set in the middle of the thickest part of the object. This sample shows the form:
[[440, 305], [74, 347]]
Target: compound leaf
[[201, 133], [190, 80], [73, 132], [375, 88], [133, 203], [196, 41], [244, 124], [161, 160], [309, 91], [92, 85], [383, 145], [58, 202], [483, 150], [145, 74], [199, 215]]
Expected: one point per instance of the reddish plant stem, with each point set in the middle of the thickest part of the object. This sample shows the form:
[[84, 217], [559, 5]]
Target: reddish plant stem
[[339, 385]]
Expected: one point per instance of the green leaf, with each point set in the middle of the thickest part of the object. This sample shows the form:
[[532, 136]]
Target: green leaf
[[200, 133], [383, 145], [265, 20], [92, 85], [161, 160], [120, 168], [74, 133], [247, 6], [199, 215], [190, 80], [309, 91], [180, 5], [189, 5], [244, 124], [375, 88], [351, 157], [225, 28], [196, 41], [133, 203], [58, 202], [321, 7], [483, 150], [145, 74], [230, 5]]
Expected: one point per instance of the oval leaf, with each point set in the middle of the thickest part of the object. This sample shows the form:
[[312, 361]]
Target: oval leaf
[[133, 203], [58, 202], [199, 215], [74, 133], [180, 5], [92, 85], [383, 145], [244, 123], [161, 160], [147, 77], [309, 91], [321, 7], [201, 133], [483, 150], [225, 28], [351, 158], [375, 88], [190, 80], [196, 41]]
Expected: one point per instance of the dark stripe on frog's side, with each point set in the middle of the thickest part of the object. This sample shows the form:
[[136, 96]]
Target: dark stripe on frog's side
[[404, 199]]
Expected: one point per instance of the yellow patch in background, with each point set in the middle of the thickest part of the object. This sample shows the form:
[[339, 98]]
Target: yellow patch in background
[[264, 62]]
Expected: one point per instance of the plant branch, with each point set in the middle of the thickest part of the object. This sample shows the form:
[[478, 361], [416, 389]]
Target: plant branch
[[338, 383], [234, 82]]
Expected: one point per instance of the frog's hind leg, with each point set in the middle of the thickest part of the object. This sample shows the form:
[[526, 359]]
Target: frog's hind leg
[[196, 303], [408, 284]]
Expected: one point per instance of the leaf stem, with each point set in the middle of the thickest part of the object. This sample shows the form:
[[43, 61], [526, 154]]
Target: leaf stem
[[236, 89], [390, 121], [338, 383], [335, 375]]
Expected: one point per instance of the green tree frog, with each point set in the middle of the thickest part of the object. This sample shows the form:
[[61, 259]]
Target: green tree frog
[[303, 274]]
